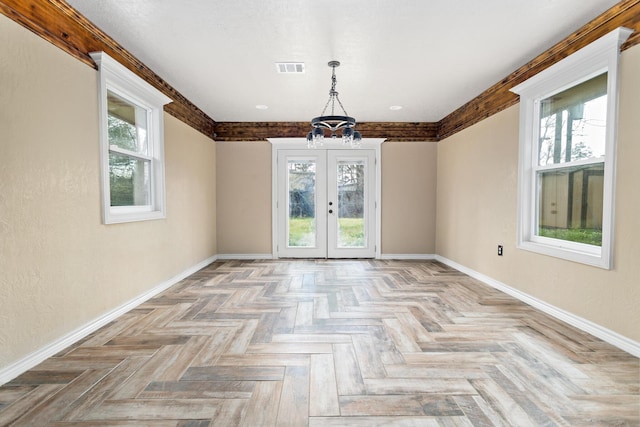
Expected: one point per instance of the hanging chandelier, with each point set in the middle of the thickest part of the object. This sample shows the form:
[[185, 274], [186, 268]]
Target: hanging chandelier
[[334, 123]]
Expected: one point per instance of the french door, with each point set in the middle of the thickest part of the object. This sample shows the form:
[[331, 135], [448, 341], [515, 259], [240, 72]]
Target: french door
[[326, 203]]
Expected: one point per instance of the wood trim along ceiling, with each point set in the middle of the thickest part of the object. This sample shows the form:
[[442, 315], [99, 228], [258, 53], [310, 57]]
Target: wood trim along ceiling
[[59, 23], [392, 131], [498, 97]]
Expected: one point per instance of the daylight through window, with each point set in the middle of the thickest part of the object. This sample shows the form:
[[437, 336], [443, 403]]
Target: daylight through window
[[567, 154], [132, 146]]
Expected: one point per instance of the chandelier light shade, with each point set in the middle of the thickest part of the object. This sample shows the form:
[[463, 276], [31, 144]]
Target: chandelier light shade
[[345, 124]]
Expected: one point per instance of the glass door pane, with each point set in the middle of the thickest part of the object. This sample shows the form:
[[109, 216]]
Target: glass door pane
[[351, 208], [302, 203]]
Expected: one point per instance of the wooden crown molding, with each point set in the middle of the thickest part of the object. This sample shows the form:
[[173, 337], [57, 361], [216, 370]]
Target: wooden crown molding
[[498, 97], [59, 23], [255, 131]]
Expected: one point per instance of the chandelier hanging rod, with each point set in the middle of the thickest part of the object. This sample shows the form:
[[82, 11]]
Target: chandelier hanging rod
[[334, 122]]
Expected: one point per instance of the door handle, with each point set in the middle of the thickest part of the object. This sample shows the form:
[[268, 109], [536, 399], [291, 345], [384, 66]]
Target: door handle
[[330, 211]]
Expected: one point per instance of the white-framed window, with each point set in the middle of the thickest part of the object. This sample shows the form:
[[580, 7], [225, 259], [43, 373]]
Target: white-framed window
[[568, 120], [131, 144]]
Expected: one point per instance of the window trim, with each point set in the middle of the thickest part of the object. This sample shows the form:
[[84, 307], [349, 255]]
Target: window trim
[[115, 78], [596, 58]]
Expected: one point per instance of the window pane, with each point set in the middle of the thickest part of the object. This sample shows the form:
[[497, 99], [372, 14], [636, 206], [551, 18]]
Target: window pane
[[302, 203], [570, 204], [351, 204], [573, 123], [127, 124], [129, 179]]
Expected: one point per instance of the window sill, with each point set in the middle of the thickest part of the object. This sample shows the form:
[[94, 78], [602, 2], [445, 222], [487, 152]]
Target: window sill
[[126, 215], [589, 255]]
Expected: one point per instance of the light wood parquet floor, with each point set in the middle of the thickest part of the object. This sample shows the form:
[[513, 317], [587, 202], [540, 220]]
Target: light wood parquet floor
[[330, 343]]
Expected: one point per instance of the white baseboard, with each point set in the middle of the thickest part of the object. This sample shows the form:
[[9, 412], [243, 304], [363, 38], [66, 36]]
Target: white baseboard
[[613, 338], [425, 257], [10, 372], [244, 256]]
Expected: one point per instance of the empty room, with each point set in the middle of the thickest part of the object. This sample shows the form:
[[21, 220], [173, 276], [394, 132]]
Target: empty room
[[319, 213]]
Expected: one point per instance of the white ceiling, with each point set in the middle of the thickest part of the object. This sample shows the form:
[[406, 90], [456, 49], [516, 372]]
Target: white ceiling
[[429, 56]]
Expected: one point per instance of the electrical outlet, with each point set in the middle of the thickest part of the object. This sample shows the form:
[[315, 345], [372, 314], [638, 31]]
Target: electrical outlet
[[499, 250]]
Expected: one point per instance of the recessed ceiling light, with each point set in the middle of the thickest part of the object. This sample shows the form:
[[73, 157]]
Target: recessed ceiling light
[[262, 107], [395, 107]]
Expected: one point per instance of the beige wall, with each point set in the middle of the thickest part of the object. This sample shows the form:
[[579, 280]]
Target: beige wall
[[408, 197], [244, 197], [476, 211], [60, 267]]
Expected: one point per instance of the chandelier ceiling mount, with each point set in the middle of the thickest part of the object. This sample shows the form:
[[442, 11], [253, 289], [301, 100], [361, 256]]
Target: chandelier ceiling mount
[[333, 122]]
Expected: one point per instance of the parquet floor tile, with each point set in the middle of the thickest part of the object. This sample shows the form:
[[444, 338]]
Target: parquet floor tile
[[324, 343]]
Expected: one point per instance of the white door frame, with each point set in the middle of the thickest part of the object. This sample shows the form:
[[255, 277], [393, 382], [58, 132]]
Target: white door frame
[[301, 143]]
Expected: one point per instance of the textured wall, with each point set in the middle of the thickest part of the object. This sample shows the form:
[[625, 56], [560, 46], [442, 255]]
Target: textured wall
[[60, 267], [244, 197], [476, 211], [409, 197]]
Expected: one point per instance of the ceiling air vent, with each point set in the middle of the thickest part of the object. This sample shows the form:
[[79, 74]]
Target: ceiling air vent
[[290, 67]]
